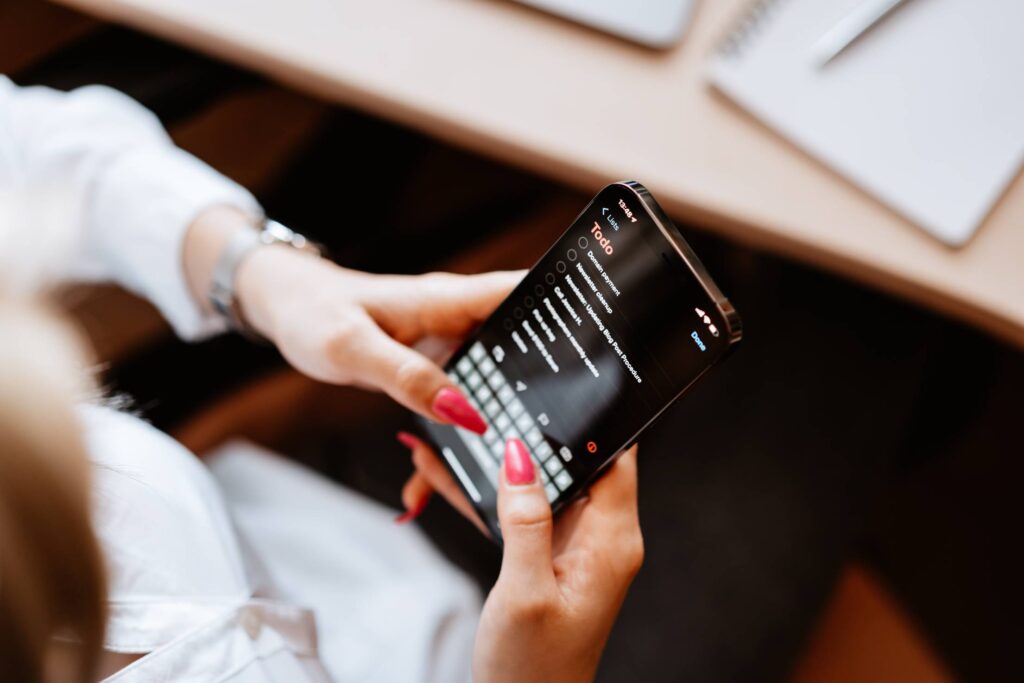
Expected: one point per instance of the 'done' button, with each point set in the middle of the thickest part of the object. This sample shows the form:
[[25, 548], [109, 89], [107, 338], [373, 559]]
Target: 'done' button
[[251, 622]]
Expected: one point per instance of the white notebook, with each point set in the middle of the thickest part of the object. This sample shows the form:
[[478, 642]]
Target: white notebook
[[925, 111]]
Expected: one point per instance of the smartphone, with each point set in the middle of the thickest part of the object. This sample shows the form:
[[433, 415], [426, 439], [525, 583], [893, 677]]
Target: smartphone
[[610, 327]]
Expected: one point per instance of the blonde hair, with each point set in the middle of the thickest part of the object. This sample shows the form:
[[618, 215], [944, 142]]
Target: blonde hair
[[52, 580]]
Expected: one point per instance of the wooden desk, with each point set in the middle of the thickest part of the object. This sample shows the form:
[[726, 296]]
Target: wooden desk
[[585, 109]]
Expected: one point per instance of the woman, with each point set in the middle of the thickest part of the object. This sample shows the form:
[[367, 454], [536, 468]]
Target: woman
[[252, 569]]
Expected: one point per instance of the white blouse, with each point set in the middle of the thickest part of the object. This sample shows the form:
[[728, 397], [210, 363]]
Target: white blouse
[[246, 568]]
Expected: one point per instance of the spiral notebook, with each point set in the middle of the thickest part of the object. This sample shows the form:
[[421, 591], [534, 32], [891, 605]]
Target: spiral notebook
[[925, 111]]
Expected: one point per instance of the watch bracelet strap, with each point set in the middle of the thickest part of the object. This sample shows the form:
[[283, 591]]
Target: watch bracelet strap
[[242, 243], [222, 287]]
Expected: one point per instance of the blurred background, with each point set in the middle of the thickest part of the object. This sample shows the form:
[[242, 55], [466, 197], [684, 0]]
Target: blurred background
[[838, 501]]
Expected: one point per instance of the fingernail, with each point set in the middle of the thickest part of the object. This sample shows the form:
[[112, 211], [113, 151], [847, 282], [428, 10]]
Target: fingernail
[[414, 512], [408, 440], [453, 406], [518, 464]]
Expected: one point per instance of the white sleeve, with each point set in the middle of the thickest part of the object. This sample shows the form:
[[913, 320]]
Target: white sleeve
[[95, 166]]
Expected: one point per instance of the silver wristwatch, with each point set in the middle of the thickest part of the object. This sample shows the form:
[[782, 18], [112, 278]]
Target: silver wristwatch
[[242, 243]]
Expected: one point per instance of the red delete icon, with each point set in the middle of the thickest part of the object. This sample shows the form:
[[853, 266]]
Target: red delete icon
[[591, 447]]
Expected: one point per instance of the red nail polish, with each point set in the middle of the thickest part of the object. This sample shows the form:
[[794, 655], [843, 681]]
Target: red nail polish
[[413, 513], [408, 440], [519, 468], [453, 406]]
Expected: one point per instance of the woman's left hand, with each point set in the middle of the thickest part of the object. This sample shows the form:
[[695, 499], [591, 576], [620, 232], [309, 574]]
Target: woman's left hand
[[348, 327], [561, 585]]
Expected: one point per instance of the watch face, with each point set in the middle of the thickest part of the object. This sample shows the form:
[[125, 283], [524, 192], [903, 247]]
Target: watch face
[[276, 233]]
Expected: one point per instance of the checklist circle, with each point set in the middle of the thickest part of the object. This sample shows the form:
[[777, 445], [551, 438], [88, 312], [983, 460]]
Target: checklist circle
[[508, 324], [560, 266], [518, 313], [539, 290], [549, 278], [571, 254], [583, 242], [528, 301]]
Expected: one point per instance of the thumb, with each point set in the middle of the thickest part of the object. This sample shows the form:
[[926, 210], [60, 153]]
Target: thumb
[[524, 515], [414, 381], [452, 305]]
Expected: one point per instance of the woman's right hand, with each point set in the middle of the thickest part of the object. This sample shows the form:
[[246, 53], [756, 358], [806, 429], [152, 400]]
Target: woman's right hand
[[561, 586]]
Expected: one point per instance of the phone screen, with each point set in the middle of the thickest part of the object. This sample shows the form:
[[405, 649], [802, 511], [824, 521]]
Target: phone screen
[[609, 327]]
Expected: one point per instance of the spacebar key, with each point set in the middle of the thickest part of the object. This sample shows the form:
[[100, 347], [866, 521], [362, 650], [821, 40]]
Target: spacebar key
[[482, 456]]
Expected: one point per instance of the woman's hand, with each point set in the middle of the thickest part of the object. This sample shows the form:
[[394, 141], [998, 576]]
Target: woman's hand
[[347, 327], [561, 586]]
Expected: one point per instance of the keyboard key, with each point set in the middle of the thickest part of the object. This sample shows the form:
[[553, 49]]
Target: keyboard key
[[498, 449], [491, 436], [524, 422], [473, 380], [565, 453], [460, 472], [543, 451], [492, 408], [534, 437], [515, 408], [551, 492], [506, 393], [453, 376], [497, 381], [487, 366], [563, 480], [484, 393], [539, 469], [479, 452], [553, 466], [477, 352], [502, 422]]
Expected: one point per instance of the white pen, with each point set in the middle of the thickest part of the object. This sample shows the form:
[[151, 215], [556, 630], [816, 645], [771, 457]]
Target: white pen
[[845, 33]]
